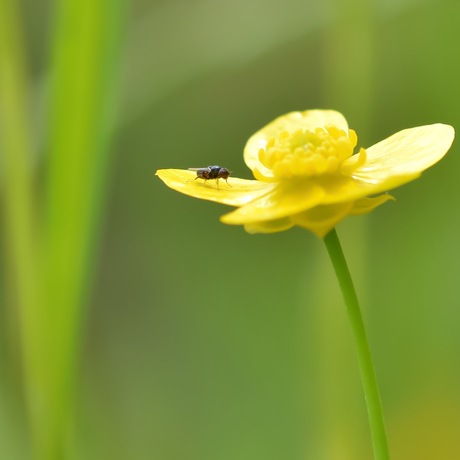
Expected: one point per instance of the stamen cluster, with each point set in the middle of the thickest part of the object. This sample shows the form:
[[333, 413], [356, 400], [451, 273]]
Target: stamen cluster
[[307, 153]]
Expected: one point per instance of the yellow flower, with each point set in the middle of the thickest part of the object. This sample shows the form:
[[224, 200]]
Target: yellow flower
[[307, 174]]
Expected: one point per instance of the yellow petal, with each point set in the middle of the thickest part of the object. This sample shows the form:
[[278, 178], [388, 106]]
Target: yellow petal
[[368, 204], [309, 120], [236, 193], [269, 226], [283, 201], [403, 157], [322, 219], [343, 189]]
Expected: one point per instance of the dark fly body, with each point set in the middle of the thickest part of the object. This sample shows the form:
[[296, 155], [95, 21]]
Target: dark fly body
[[212, 172]]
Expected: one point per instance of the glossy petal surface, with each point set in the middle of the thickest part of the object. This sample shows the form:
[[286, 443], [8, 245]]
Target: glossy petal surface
[[279, 203], [236, 193], [322, 219], [366, 205], [403, 156]]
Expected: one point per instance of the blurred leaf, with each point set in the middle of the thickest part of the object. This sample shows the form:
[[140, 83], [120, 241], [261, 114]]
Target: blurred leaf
[[82, 108]]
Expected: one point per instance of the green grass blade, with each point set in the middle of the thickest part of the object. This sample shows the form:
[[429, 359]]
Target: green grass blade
[[15, 148], [84, 75], [17, 194]]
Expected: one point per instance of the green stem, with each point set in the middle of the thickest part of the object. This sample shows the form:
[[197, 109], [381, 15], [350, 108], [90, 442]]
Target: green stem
[[369, 380]]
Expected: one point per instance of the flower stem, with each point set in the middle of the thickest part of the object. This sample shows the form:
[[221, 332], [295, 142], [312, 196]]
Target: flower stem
[[369, 380]]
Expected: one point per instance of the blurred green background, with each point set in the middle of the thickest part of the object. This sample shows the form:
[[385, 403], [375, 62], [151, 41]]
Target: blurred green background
[[133, 324]]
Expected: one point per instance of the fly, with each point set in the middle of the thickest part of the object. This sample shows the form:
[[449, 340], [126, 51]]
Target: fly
[[212, 172]]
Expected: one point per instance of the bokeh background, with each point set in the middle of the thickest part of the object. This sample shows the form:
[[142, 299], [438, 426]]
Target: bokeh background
[[166, 334]]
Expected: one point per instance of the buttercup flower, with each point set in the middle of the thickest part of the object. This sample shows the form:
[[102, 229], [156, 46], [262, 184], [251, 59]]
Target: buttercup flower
[[307, 173]]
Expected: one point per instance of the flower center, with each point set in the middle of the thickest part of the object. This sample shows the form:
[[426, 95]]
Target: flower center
[[305, 153]]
